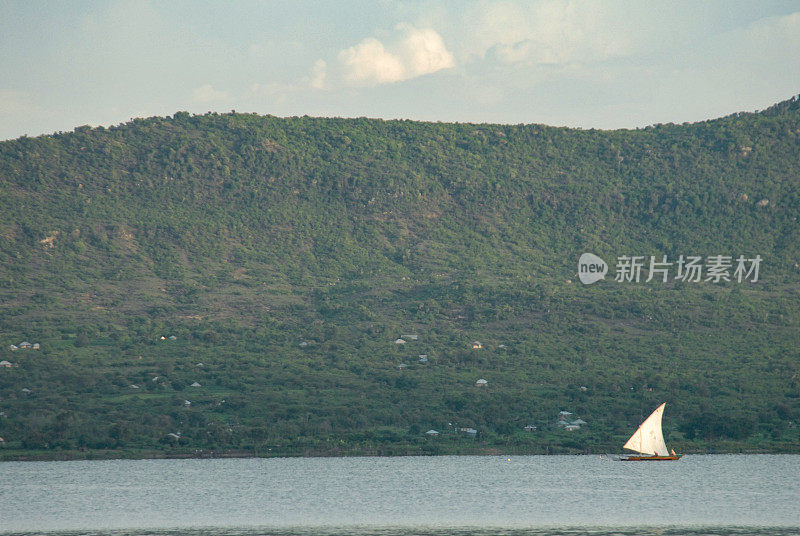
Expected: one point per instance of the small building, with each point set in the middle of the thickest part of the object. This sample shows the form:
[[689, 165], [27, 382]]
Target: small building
[[6, 364], [13, 347], [481, 383], [563, 414], [530, 428], [173, 338], [432, 433], [303, 344], [25, 345], [195, 384], [26, 390], [36, 346], [134, 386], [578, 422], [410, 337], [572, 427], [423, 358], [187, 403], [472, 432], [400, 341], [502, 346], [174, 436], [477, 345], [401, 366], [584, 388]]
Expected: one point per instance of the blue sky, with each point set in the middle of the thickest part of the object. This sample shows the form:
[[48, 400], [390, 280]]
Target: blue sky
[[616, 64]]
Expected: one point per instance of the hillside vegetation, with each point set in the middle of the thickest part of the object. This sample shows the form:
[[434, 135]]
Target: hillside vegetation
[[286, 255]]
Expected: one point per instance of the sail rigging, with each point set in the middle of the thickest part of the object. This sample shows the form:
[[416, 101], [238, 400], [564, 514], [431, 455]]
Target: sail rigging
[[648, 438]]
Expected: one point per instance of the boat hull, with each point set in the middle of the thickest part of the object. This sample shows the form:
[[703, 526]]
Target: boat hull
[[651, 458]]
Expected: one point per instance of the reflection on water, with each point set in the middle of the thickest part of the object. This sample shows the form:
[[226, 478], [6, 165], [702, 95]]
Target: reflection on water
[[410, 496]]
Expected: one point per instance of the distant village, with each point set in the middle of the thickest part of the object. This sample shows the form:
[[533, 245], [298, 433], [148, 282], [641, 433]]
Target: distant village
[[565, 420]]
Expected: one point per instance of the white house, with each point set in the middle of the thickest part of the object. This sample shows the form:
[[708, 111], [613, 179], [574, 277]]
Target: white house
[[399, 341], [431, 433], [195, 384], [481, 383]]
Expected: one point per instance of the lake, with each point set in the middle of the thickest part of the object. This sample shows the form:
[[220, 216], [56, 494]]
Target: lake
[[716, 494]]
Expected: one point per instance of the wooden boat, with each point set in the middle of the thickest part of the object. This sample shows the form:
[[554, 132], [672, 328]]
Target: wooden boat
[[648, 441]]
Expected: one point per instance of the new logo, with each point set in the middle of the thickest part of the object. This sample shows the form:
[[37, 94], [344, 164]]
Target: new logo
[[591, 268]]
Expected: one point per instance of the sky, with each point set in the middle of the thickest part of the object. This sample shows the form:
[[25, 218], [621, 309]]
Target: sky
[[588, 64]]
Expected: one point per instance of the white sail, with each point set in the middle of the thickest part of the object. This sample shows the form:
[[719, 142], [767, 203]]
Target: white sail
[[648, 438]]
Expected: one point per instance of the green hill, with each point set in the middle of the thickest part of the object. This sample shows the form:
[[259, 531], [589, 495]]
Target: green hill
[[286, 256]]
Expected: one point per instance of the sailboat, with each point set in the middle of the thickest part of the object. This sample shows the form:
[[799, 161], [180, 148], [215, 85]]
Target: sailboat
[[648, 440]]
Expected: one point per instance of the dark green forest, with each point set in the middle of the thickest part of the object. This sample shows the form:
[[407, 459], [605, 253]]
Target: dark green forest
[[273, 262]]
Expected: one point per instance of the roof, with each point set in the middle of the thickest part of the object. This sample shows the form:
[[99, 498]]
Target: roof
[[481, 381], [432, 432], [5, 363], [195, 384], [399, 341]]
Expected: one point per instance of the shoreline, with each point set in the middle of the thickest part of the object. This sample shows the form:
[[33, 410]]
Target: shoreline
[[98, 455]]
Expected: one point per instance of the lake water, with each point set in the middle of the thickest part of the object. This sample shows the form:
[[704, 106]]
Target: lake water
[[548, 495]]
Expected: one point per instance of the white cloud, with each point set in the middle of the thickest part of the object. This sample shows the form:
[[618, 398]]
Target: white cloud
[[422, 51], [413, 52], [207, 93], [319, 75], [544, 32], [369, 63]]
